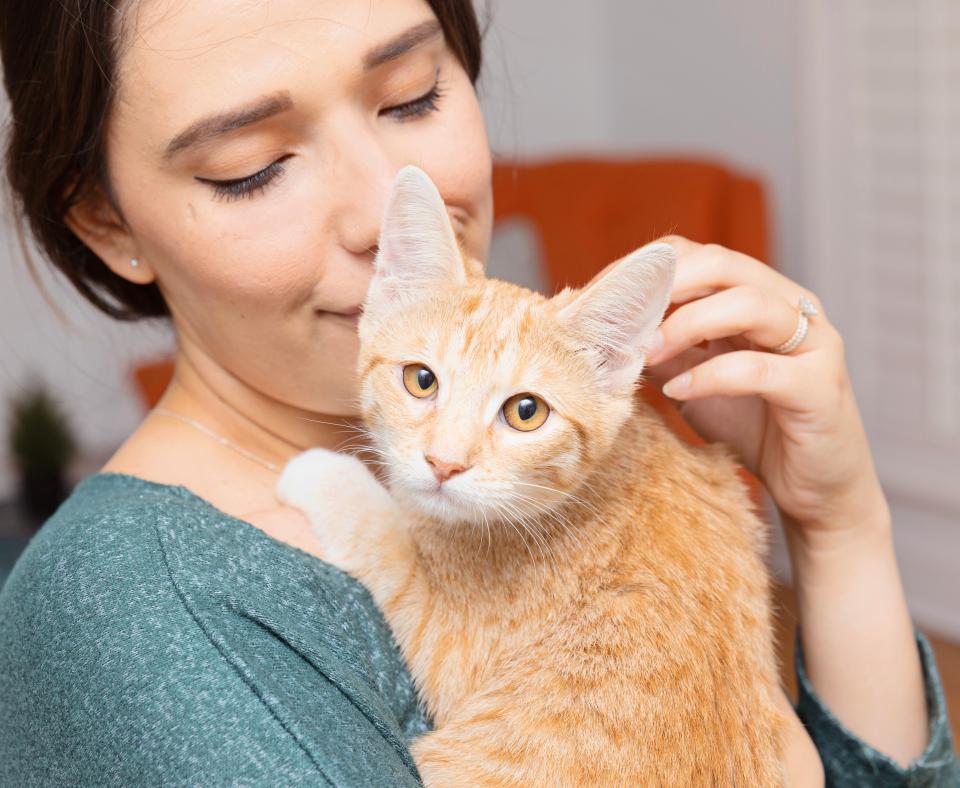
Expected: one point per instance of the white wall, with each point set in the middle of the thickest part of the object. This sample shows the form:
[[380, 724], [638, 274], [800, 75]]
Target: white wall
[[85, 358], [688, 77]]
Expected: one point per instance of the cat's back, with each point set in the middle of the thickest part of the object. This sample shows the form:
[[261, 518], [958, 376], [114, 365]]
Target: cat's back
[[690, 497]]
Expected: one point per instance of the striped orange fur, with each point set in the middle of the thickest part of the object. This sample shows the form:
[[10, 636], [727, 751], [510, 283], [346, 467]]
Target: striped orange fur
[[584, 604]]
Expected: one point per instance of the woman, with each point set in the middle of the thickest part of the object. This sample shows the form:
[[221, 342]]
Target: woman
[[225, 165]]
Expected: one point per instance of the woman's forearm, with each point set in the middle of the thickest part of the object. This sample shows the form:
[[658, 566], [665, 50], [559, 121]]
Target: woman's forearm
[[858, 645]]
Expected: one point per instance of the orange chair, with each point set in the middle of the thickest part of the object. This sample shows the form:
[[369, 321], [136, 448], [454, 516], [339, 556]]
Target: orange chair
[[589, 212], [151, 379]]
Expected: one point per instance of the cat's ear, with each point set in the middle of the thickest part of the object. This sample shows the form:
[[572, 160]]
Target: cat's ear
[[418, 249], [617, 314]]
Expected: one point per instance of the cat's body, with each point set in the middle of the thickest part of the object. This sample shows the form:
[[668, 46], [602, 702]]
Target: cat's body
[[605, 624]]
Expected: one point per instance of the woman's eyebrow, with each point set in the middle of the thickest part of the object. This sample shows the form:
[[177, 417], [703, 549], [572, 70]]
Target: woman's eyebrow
[[206, 129], [401, 44]]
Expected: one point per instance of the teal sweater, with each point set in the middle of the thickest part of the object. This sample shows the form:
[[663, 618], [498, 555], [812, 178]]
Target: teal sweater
[[147, 637]]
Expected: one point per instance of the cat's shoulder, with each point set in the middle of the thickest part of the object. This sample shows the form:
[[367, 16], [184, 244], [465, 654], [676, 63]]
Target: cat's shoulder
[[653, 444]]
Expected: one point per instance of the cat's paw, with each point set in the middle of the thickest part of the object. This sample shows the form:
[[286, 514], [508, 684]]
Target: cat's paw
[[317, 479]]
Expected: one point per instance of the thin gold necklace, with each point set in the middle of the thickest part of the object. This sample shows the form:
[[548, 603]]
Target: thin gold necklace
[[219, 438]]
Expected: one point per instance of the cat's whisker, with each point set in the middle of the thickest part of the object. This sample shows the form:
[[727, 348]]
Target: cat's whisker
[[566, 494], [486, 527], [507, 493], [341, 425], [346, 446], [509, 521], [563, 524], [542, 509], [530, 527], [548, 488]]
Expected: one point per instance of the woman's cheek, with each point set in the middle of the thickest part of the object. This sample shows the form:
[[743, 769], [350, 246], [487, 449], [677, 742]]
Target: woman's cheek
[[458, 160], [275, 261]]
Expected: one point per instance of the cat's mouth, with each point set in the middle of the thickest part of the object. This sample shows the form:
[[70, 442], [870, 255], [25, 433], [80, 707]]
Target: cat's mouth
[[440, 500]]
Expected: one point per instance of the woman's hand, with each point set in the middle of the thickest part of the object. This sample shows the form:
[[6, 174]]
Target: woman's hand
[[794, 422], [792, 418]]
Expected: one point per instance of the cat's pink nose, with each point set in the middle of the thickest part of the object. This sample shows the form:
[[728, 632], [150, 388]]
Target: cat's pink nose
[[442, 469]]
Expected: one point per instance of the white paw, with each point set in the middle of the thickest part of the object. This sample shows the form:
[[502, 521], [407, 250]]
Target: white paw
[[314, 480]]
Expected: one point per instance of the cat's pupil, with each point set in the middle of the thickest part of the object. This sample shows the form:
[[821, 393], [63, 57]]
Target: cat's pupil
[[527, 408], [425, 379]]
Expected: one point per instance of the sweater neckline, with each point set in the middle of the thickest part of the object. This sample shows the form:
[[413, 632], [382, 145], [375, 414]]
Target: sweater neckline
[[126, 479]]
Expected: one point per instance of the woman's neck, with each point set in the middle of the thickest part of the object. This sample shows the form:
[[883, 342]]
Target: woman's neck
[[268, 428]]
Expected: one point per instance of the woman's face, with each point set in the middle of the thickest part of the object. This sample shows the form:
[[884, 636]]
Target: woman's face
[[251, 150]]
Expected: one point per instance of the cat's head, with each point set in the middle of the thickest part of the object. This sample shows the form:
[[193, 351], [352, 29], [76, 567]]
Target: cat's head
[[489, 401]]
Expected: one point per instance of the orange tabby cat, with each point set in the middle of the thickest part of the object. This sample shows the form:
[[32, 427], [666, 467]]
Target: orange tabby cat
[[578, 594]]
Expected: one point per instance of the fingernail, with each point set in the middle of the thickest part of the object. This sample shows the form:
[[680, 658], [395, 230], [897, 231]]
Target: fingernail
[[678, 385]]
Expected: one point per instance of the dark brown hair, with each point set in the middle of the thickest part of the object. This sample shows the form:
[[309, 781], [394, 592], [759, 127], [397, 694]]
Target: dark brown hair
[[59, 61]]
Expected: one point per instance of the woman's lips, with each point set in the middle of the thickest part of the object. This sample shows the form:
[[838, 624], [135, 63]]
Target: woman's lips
[[350, 316], [353, 311]]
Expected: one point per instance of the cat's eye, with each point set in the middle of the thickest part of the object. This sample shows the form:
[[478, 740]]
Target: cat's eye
[[419, 380], [525, 412]]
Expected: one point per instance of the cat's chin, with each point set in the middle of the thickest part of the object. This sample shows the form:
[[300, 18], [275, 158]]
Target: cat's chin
[[445, 505]]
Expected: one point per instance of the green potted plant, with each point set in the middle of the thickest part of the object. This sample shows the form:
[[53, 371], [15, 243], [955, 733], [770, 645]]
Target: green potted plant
[[42, 446]]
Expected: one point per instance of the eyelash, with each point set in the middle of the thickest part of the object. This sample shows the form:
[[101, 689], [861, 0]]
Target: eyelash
[[236, 188], [427, 103]]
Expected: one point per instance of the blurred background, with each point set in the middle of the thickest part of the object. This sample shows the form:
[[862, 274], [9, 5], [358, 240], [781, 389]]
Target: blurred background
[[821, 136]]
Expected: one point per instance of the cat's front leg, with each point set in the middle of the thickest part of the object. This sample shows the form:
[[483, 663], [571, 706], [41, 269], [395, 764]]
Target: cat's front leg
[[341, 498], [356, 521]]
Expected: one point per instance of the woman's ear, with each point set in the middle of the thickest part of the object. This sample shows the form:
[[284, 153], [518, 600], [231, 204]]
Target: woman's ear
[[95, 222]]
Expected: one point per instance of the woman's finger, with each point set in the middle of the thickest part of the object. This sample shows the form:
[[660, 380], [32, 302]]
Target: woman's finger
[[781, 380], [711, 268], [703, 269], [664, 370], [760, 316], [682, 246]]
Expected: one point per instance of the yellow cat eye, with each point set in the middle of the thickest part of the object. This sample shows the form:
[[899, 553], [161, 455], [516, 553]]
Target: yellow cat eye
[[525, 412], [419, 380]]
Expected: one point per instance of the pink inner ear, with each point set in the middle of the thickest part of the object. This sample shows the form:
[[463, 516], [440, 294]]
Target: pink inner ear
[[418, 248], [618, 313]]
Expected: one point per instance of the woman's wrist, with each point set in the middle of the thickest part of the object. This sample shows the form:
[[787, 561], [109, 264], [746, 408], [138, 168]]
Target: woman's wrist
[[859, 649], [855, 523]]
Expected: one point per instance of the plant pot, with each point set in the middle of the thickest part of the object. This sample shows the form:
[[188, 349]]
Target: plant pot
[[41, 493]]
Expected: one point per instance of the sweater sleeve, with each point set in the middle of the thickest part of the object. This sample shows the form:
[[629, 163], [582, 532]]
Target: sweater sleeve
[[850, 761]]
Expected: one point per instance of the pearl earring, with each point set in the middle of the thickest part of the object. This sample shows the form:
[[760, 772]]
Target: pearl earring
[[134, 262]]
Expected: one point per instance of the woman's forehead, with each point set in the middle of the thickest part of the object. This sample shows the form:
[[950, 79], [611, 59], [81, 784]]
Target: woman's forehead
[[181, 59]]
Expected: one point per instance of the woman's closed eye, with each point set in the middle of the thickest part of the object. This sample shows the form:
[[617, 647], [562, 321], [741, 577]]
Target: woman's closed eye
[[250, 185], [424, 105], [247, 186]]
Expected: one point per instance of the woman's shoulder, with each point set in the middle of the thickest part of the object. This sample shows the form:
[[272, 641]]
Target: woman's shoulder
[[93, 590], [140, 611], [98, 546]]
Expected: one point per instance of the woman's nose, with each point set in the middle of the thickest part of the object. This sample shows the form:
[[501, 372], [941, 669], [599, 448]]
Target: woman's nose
[[362, 177]]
